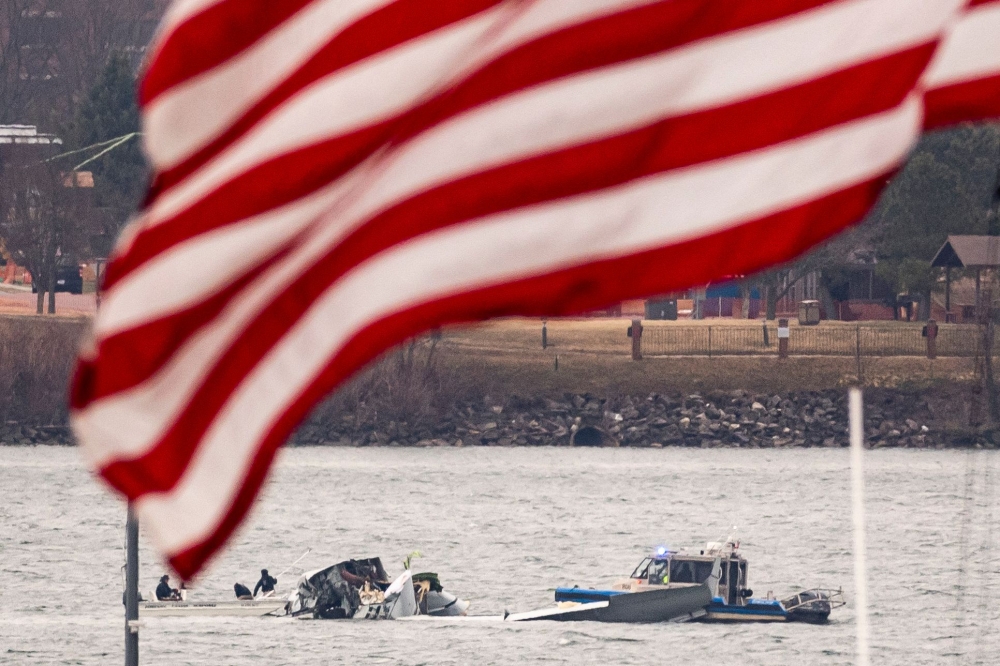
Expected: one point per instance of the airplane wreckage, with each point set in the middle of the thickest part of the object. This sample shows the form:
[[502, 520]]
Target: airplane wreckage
[[361, 589]]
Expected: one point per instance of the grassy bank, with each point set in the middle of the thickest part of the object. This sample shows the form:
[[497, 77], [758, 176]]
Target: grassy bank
[[595, 356], [496, 362]]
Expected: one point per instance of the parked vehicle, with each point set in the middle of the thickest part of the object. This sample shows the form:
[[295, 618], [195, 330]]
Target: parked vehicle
[[68, 279]]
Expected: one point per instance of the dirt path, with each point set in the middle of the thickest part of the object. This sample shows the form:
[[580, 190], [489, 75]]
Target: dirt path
[[23, 302]]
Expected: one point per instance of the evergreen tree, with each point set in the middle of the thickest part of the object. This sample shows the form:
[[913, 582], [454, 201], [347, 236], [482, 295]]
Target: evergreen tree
[[109, 111], [944, 189]]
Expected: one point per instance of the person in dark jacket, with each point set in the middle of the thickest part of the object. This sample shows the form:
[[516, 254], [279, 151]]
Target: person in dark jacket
[[265, 584], [166, 593], [242, 591]]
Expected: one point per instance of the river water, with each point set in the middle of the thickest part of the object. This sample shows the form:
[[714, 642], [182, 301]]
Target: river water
[[503, 527]]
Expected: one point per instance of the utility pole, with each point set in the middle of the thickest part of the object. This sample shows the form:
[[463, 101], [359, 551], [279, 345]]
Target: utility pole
[[131, 588]]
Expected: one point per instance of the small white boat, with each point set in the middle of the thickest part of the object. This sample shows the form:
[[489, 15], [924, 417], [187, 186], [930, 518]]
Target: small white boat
[[265, 604], [207, 608]]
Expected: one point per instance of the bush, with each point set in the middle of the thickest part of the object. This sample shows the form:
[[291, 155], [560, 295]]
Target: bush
[[36, 359]]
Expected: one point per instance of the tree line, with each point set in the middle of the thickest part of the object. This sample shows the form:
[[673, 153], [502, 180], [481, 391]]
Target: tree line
[[949, 186], [69, 67]]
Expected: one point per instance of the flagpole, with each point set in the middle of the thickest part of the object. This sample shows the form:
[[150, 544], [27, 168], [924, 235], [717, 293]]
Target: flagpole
[[858, 506], [131, 588], [131, 547]]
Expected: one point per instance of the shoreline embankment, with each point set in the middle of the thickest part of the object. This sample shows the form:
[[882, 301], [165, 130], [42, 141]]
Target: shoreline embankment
[[489, 386], [893, 418]]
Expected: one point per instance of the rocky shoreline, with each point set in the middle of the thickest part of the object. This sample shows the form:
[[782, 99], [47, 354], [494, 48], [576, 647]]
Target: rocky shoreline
[[893, 418], [732, 419]]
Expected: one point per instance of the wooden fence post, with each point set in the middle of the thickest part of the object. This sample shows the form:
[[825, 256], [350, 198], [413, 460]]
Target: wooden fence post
[[636, 330], [782, 338], [857, 352], [931, 331]]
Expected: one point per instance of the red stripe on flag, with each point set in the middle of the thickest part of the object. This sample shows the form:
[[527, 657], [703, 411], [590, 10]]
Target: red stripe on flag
[[970, 100], [670, 144], [564, 292], [211, 37]]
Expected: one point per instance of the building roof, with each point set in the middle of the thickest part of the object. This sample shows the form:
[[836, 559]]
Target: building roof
[[969, 252], [26, 134]]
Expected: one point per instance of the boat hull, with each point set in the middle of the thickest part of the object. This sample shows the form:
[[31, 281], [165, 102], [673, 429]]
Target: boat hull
[[754, 610], [655, 605], [235, 608], [735, 615]]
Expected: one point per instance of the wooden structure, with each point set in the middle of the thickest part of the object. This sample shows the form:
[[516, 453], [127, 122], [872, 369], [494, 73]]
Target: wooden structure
[[975, 252]]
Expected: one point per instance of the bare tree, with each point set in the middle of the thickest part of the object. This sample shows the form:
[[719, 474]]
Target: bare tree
[[52, 51], [43, 220], [94, 30]]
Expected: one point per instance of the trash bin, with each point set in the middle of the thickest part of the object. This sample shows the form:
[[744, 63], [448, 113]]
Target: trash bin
[[808, 313], [662, 309]]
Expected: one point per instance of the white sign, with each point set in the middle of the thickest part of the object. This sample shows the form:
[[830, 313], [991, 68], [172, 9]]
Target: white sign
[[782, 332]]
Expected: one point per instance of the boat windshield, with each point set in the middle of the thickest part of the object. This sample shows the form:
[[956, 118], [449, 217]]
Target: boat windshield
[[690, 571], [658, 572], [640, 571]]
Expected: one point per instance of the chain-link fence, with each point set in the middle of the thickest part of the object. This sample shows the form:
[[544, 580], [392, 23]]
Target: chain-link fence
[[822, 340]]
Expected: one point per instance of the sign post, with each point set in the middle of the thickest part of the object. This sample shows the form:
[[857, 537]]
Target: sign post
[[782, 338]]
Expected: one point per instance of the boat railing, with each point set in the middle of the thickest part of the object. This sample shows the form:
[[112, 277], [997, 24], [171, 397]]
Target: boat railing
[[805, 598]]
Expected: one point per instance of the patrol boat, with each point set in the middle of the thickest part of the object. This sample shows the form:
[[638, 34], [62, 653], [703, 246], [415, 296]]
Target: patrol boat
[[731, 600]]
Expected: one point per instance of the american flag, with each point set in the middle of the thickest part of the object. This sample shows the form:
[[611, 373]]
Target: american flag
[[333, 177]]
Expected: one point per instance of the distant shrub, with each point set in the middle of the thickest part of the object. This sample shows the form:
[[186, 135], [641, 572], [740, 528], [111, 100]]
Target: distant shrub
[[36, 359]]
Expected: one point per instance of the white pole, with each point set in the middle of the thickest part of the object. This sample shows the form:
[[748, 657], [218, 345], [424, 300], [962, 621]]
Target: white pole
[[858, 506]]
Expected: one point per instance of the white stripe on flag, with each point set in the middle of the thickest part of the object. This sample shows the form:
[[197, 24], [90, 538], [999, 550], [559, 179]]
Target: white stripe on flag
[[970, 51], [188, 116], [351, 99]]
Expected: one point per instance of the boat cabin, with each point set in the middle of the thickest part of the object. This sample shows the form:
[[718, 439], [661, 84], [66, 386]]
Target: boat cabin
[[667, 567]]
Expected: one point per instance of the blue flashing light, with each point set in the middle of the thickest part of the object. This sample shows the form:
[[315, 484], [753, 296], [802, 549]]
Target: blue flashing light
[[662, 551]]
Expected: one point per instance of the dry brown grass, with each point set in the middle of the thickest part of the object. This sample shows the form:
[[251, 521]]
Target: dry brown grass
[[536, 373], [36, 358], [594, 355], [608, 337]]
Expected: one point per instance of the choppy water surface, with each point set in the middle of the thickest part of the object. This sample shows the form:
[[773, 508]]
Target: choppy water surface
[[504, 527]]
